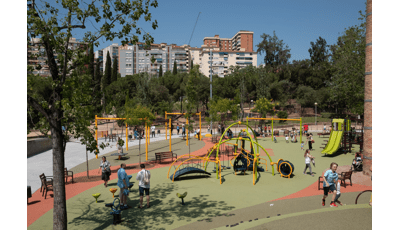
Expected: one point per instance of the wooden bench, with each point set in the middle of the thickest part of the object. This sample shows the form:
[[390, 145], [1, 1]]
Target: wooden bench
[[68, 174], [345, 176], [323, 134], [165, 155]]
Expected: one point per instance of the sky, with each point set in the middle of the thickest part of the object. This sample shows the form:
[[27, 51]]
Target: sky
[[295, 22]]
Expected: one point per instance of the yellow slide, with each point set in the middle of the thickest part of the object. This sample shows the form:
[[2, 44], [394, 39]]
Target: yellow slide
[[333, 143], [335, 138]]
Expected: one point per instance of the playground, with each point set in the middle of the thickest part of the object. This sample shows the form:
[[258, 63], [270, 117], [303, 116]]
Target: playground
[[240, 190]]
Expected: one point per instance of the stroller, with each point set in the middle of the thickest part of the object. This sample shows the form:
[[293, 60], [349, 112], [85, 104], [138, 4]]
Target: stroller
[[357, 164]]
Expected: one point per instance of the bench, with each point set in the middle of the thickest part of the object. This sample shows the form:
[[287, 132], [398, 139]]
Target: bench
[[68, 174], [165, 155], [322, 134], [345, 176]]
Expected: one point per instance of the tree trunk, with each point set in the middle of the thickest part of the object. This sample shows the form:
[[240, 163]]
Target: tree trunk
[[60, 206]]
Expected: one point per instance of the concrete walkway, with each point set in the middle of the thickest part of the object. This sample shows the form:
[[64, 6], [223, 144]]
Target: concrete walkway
[[74, 155]]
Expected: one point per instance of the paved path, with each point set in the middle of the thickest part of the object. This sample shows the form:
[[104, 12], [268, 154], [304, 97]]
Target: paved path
[[74, 155]]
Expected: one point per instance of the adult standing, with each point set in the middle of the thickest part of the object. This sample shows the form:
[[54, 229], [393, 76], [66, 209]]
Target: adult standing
[[305, 128], [105, 170], [153, 130], [183, 130], [123, 185], [309, 141], [177, 129], [144, 185], [330, 180], [308, 157], [172, 128]]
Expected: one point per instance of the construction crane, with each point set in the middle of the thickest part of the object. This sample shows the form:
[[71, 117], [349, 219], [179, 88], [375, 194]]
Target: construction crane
[[194, 28]]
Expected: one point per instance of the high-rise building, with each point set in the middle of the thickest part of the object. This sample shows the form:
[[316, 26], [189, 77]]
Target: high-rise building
[[37, 55], [136, 58], [98, 55], [226, 52], [113, 50]]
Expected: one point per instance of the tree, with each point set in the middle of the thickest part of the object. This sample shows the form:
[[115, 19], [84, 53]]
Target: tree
[[276, 53], [97, 86], [160, 71], [71, 102], [108, 71], [91, 62], [175, 70], [138, 115], [318, 51], [114, 73], [348, 66], [264, 107], [191, 64]]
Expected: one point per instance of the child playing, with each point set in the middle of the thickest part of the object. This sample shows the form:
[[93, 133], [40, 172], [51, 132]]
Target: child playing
[[287, 139], [302, 145], [275, 139], [308, 157], [338, 194]]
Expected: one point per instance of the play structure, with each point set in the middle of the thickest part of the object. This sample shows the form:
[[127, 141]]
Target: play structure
[[343, 136], [168, 127], [147, 132], [285, 168], [115, 211], [272, 125], [243, 160]]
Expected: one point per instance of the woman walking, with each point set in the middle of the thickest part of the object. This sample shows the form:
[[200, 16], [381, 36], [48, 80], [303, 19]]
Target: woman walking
[[308, 158], [330, 180], [105, 169]]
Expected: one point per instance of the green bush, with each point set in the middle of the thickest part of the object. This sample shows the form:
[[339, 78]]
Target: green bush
[[326, 115], [283, 115]]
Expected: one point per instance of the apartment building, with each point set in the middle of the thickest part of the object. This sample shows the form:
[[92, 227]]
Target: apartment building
[[98, 55], [37, 55], [136, 58], [113, 50], [221, 53]]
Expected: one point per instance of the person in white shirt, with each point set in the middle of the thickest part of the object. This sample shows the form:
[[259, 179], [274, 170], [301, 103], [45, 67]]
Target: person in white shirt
[[338, 194], [287, 139], [144, 185], [308, 157], [198, 133], [153, 131]]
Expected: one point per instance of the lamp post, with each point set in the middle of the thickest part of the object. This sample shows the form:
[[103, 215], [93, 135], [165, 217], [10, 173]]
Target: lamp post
[[316, 112], [251, 104], [238, 105]]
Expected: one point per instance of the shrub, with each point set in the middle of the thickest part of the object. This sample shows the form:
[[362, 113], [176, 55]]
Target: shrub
[[283, 115]]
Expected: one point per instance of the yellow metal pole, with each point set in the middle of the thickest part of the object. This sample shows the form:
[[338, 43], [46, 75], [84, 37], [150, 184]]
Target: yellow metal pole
[[166, 125], [187, 132], [97, 142], [149, 133], [170, 134], [200, 124], [272, 129], [126, 135], [146, 138]]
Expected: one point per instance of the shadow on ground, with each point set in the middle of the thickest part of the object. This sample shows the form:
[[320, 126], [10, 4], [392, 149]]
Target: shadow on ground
[[162, 212]]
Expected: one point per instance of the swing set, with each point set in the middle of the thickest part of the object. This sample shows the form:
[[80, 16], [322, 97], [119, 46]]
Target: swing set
[[147, 132], [187, 122]]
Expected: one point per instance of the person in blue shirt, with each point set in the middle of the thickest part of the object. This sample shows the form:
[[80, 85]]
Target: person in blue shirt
[[330, 180], [122, 184], [183, 131], [177, 129]]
